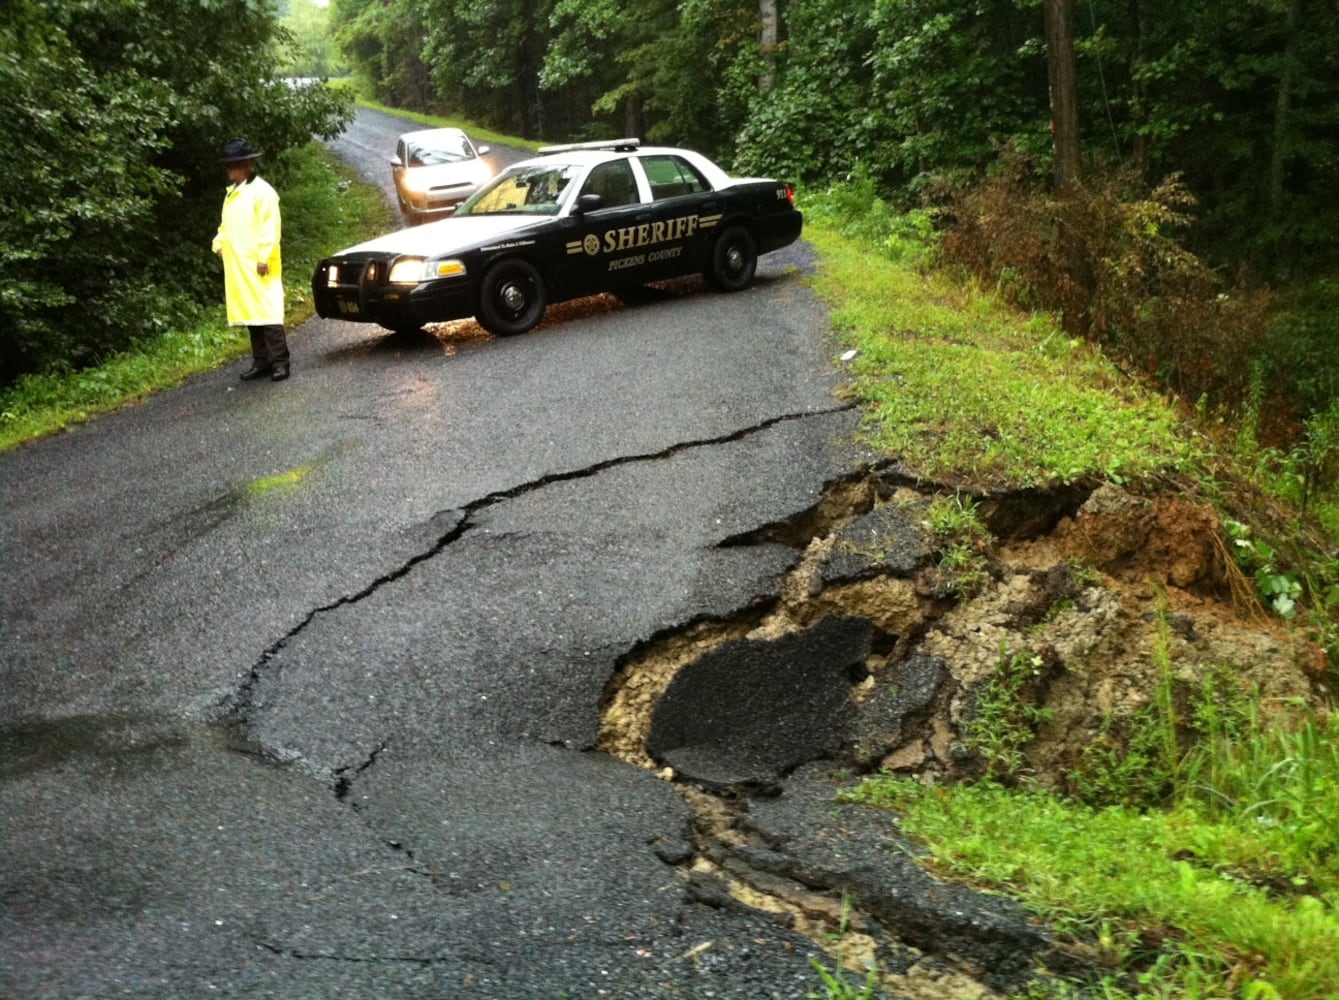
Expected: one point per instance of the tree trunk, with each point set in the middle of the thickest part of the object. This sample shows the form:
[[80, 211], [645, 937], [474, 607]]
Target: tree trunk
[[1143, 144], [769, 33], [1064, 97], [1282, 112], [632, 116]]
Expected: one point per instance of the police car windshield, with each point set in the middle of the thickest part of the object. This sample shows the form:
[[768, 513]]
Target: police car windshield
[[533, 190]]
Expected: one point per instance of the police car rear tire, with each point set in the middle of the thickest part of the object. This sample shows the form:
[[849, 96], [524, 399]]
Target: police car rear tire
[[734, 260], [511, 298]]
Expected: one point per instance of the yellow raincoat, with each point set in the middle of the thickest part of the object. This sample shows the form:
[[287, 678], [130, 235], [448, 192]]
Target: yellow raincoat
[[250, 233]]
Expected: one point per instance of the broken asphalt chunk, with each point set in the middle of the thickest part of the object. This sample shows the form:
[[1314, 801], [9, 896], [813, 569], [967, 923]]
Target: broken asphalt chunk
[[752, 710]]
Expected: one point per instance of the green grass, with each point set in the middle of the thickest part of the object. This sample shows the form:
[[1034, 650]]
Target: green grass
[[325, 208], [965, 389], [1232, 889], [1231, 893], [1169, 896]]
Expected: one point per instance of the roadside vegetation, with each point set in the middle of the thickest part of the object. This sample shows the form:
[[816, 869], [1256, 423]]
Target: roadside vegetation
[[1165, 317], [1004, 334], [325, 207], [1196, 856], [1199, 860], [110, 183]]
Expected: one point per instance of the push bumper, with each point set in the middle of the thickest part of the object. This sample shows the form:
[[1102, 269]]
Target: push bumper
[[357, 291]]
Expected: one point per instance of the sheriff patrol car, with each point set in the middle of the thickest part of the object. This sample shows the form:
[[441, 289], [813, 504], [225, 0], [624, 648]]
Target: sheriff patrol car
[[576, 220]]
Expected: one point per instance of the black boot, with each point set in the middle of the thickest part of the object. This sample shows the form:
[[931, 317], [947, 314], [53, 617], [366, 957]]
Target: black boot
[[257, 370]]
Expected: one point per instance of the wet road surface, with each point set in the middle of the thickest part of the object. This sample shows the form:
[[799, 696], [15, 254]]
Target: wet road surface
[[304, 682]]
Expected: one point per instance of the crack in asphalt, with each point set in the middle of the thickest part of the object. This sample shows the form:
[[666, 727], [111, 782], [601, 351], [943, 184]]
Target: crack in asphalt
[[344, 780], [369, 959], [242, 703]]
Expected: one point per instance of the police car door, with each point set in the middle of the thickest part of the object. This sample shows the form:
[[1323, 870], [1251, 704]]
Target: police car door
[[612, 239], [685, 211]]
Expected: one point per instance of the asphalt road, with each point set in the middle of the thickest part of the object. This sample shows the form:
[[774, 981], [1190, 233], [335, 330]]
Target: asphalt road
[[369, 144], [301, 680]]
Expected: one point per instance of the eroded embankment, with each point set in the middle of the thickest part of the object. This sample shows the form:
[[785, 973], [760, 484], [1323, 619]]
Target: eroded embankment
[[876, 655]]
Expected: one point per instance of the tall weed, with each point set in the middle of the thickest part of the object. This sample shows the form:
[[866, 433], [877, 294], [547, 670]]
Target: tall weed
[[1107, 257]]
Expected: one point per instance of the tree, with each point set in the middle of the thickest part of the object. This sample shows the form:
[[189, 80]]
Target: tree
[[383, 42], [819, 119], [607, 50], [769, 36], [952, 82], [111, 118], [484, 58], [1241, 99], [313, 52], [1059, 17]]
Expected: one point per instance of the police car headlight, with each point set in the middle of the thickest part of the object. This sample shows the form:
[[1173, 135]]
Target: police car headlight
[[412, 270], [407, 271]]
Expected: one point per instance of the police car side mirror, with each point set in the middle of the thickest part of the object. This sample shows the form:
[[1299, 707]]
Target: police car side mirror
[[395, 162], [588, 203], [483, 150]]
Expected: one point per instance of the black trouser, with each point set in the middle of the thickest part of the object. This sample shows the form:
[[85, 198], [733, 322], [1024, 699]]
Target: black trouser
[[269, 345]]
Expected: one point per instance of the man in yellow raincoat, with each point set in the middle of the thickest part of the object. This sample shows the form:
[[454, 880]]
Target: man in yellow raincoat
[[248, 241]]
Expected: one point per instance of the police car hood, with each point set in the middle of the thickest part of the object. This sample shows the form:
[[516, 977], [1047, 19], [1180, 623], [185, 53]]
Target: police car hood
[[449, 235]]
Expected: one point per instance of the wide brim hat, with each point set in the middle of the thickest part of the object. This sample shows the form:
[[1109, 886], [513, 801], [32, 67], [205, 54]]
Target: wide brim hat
[[238, 151]]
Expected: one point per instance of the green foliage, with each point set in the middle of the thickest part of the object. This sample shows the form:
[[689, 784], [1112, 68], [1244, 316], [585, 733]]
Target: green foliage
[[956, 80], [1301, 368], [836, 986], [324, 208], [1108, 260], [1278, 589], [963, 541], [1237, 100], [814, 124], [965, 388], [1004, 716], [311, 51], [1152, 759], [62, 231], [1163, 900], [1278, 783], [664, 55], [1136, 763], [858, 213], [386, 45], [111, 118], [1311, 467], [1220, 90], [1122, 765]]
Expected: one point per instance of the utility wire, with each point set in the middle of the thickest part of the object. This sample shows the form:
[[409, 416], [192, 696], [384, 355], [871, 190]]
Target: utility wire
[[1101, 77]]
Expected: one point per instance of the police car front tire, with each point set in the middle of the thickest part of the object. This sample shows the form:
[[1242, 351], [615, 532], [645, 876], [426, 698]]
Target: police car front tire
[[734, 260], [511, 298]]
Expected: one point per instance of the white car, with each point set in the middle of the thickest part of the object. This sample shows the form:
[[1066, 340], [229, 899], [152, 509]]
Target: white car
[[435, 170]]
